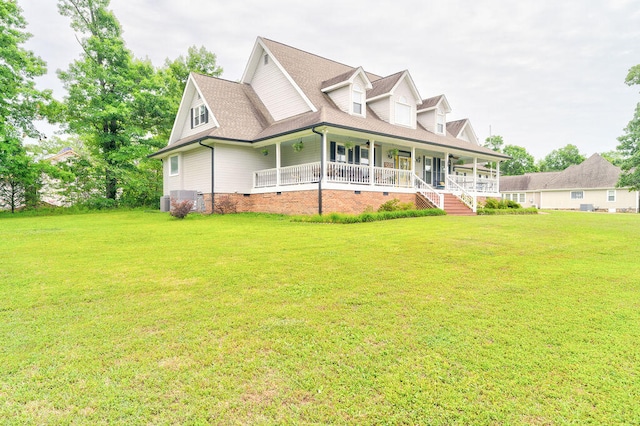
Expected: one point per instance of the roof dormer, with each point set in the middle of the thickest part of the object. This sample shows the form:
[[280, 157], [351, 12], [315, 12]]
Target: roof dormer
[[462, 129], [348, 91], [432, 114], [394, 99]]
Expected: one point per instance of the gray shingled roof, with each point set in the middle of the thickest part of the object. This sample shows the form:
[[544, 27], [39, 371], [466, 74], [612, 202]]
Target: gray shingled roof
[[384, 85], [338, 79], [430, 102], [454, 127], [594, 172], [243, 117]]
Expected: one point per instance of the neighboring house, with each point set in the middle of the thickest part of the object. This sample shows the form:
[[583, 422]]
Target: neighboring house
[[51, 191], [590, 186], [302, 134]]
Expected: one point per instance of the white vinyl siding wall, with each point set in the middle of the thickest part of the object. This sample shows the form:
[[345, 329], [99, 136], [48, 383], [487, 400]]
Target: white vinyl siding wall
[[597, 197], [342, 98], [196, 168], [427, 120], [403, 91], [382, 108], [235, 166], [276, 92], [309, 154]]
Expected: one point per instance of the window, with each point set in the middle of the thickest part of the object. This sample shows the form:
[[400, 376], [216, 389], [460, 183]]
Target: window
[[577, 195], [199, 116], [341, 154], [403, 112], [364, 156], [357, 99], [440, 123], [174, 165], [266, 59], [611, 195]]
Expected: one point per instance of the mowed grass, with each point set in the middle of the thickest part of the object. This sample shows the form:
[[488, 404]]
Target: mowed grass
[[138, 318]]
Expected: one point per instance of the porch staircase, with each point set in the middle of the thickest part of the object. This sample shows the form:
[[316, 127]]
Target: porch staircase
[[455, 207]]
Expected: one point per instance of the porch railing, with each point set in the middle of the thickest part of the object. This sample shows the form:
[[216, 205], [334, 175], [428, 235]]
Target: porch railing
[[427, 191], [461, 193], [347, 173], [483, 185], [290, 175], [392, 177]]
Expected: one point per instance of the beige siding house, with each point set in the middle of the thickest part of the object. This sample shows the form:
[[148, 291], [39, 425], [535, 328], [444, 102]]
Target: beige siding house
[[588, 186], [300, 134]]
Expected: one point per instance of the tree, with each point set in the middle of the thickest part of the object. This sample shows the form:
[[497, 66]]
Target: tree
[[113, 99], [521, 161], [20, 104], [614, 157], [494, 142], [630, 141], [560, 159]]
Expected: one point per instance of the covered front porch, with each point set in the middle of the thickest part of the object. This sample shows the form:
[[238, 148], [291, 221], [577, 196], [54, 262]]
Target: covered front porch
[[351, 162]]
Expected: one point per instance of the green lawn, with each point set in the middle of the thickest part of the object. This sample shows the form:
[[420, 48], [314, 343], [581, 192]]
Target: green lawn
[[138, 318]]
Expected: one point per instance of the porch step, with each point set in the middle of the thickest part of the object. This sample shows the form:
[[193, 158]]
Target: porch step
[[454, 207]]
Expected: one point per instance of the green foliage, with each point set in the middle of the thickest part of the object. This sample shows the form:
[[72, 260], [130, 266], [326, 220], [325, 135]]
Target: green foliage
[[614, 157], [395, 205], [630, 141], [521, 161], [492, 203], [560, 159], [503, 320], [506, 211], [368, 216], [19, 176], [494, 142]]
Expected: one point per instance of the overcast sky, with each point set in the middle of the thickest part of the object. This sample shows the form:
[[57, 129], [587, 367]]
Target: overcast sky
[[541, 73]]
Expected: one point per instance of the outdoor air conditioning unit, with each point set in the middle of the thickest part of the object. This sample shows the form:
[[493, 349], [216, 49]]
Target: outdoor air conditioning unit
[[165, 203]]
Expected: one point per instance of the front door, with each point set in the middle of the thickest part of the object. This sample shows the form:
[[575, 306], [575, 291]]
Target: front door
[[403, 163]]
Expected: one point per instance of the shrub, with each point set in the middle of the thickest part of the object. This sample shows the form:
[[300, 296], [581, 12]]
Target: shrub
[[494, 204], [180, 209], [395, 205], [504, 211], [368, 216], [225, 204]]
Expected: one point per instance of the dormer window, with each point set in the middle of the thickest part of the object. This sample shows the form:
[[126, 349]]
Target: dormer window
[[403, 112], [440, 122], [199, 116], [358, 96]]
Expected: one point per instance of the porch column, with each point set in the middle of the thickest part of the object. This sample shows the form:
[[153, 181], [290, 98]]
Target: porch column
[[475, 174], [278, 154], [497, 176], [323, 156], [413, 161], [446, 170], [372, 147]]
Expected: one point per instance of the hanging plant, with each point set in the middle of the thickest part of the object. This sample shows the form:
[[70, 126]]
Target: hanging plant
[[348, 145], [265, 152], [297, 147], [393, 152]]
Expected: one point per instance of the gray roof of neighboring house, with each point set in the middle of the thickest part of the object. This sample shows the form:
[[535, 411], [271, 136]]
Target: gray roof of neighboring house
[[243, 117], [594, 172]]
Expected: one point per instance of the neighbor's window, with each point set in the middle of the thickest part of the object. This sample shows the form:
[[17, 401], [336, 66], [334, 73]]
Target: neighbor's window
[[611, 195], [174, 165], [358, 94], [403, 112], [199, 115], [577, 195]]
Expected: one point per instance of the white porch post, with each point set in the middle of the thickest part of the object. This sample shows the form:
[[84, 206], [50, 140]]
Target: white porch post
[[413, 161], [278, 154], [372, 147], [446, 170], [475, 174], [497, 177], [323, 148]]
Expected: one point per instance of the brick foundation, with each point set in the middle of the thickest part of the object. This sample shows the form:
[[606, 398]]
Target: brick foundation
[[306, 202]]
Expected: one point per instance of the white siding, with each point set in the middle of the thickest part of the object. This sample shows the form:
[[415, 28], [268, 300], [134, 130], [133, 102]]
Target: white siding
[[196, 170], [235, 166], [171, 183], [309, 154], [342, 98], [428, 120], [186, 126], [381, 108], [276, 92], [597, 197], [403, 90]]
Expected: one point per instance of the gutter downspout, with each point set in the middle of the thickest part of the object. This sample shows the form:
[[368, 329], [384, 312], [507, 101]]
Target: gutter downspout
[[313, 129], [212, 173]]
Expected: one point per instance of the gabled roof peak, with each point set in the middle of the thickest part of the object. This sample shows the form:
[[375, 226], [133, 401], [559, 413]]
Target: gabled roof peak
[[386, 85], [345, 79], [431, 103]]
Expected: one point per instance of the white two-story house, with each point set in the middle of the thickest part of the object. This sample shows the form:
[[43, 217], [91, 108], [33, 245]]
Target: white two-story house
[[302, 134]]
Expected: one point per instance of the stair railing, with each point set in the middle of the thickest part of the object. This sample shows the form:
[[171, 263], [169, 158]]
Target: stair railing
[[464, 196], [428, 192]]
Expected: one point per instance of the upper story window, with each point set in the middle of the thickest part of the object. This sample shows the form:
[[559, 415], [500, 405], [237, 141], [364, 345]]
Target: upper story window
[[199, 115], [174, 165], [403, 112], [440, 122], [358, 96]]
